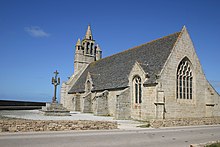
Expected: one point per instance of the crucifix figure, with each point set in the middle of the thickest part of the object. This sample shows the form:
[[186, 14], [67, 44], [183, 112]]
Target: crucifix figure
[[55, 82]]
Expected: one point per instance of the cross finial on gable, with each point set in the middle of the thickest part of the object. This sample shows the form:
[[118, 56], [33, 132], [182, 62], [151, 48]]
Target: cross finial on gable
[[184, 28]]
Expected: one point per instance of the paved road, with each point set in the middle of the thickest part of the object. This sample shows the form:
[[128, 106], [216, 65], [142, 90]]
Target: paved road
[[165, 137]]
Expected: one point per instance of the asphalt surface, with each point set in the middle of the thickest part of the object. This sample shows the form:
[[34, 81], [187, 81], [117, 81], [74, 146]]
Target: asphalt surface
[[165, 137]]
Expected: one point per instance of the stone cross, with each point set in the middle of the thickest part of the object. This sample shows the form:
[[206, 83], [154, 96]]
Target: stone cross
[[55, 82]]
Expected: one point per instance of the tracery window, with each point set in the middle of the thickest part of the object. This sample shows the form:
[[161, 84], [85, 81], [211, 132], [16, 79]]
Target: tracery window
[[137, 90], [184, 80]]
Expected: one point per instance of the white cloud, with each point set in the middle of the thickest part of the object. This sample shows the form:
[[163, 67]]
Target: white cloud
[[36, 31]]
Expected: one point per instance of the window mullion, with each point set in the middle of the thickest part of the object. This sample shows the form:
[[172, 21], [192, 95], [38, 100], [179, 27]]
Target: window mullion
[[177, 87], [140, 93], [136, 93]]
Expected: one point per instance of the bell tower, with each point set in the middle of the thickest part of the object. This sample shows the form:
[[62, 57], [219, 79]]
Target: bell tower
[[86, 51]]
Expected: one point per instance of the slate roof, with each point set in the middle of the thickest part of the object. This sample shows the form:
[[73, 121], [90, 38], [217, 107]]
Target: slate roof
[[113, 71]]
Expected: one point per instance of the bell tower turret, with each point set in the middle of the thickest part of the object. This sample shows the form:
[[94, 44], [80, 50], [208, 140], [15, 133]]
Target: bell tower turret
[[88, 44], [78, 56], [98, 52], [86, 51]]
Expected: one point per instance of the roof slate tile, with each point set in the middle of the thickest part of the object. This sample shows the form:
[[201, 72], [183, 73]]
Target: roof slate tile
[[112, 72]]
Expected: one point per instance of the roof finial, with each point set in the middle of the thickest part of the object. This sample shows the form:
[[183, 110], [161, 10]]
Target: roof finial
[[89, 33], [184, 28], [98, 48], [78, 43]]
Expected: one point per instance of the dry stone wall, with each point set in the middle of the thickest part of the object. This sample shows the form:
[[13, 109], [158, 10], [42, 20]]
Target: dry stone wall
[[50, 125]]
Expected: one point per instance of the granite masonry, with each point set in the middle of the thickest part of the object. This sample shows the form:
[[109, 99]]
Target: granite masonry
[[19, 125], [162, 79]]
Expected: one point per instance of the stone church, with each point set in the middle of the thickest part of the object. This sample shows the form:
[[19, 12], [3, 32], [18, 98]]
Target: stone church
[[156, 80]]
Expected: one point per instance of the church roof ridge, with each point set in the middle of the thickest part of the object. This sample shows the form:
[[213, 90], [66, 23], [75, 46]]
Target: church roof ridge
[[112, 71], [138, 46]]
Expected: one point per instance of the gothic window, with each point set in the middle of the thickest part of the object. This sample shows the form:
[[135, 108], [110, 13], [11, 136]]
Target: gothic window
[[88, 86], [137, 90], [184, 80]]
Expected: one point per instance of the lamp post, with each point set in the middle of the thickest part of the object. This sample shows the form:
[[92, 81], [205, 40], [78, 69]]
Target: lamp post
[[55, 82]]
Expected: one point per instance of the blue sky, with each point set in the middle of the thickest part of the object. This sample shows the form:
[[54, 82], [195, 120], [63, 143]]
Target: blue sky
[[38, 36]]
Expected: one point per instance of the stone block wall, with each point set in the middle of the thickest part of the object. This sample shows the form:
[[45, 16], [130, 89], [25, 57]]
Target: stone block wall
[[77, 103], [158, 102], [101, 108], [50, 125], [65, 98], [123, 105], [138, 111], [149, 110], [112, 96], [87, 103], [186, 108], [157, 123]]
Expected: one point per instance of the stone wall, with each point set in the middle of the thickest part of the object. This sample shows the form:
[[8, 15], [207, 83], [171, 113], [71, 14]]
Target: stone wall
[[203, 103], [65, 98], [157, 123], [142, 110], [112, 96], [101, 108], [123, 105], [50, 125], [205, 144], [87, 103], [157, 101]]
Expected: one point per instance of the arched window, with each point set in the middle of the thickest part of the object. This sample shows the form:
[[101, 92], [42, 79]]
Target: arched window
[[87, 48], [91, 49], [137, 89], [184, 80], [88, 86]]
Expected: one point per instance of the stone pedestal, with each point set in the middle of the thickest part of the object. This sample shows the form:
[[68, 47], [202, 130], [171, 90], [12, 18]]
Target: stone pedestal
[[55, 109]]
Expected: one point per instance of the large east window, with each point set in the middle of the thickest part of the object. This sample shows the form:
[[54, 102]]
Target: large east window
[[184, 80], [137, 90]]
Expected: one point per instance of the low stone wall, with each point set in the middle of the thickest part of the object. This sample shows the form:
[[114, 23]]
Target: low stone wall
[[50, 125], [205, 144], [184, 122]]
